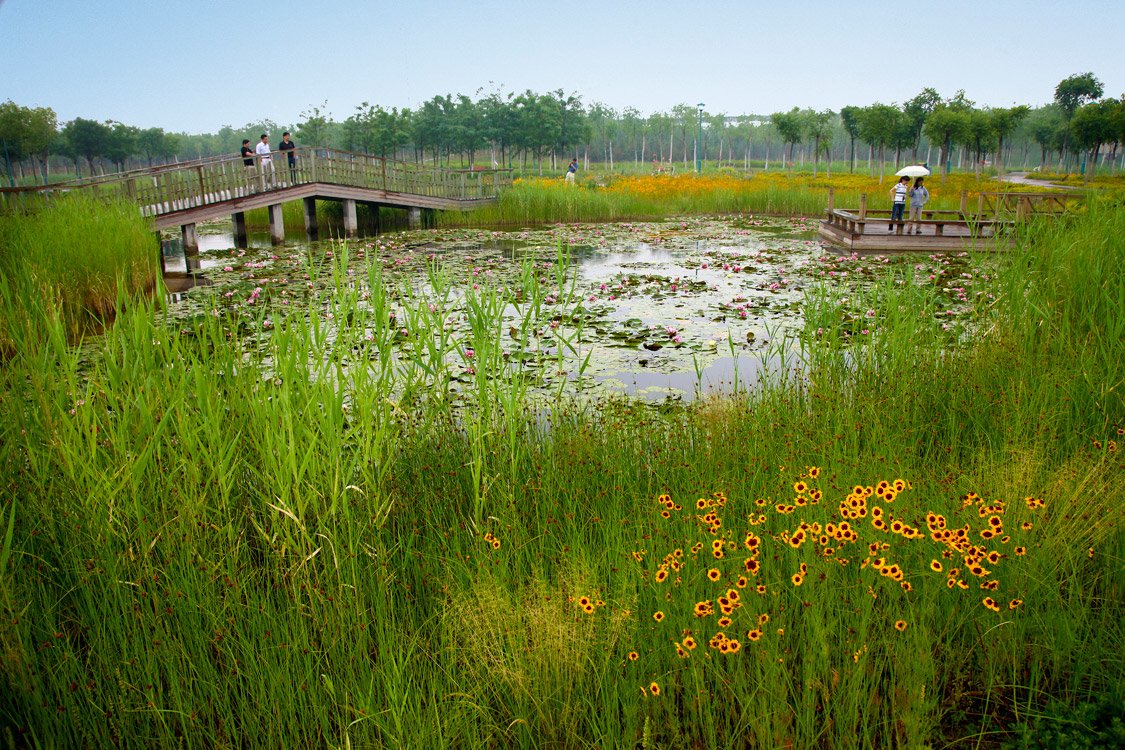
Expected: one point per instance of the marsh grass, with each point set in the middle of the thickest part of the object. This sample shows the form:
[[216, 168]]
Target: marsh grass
[[318, 530], [75, 259]]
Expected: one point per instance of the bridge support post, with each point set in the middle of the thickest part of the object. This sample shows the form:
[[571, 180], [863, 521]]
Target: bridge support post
[[351, 226], [191, 242], [238, 225], [312, 231], [277, 225], [414, 217], [160, 252]]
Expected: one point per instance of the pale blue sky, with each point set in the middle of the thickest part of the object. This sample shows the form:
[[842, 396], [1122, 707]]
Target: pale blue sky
[[195, 66]]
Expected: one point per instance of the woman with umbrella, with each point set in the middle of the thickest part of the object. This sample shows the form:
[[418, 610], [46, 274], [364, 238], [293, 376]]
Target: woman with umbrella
[[918, 196]]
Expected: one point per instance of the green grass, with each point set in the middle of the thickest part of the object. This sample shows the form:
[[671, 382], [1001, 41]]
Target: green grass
[[271, 531], [72, 259]]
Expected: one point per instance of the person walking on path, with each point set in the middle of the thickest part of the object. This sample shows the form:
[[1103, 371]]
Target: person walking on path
[[918, 197], [266, 162], [289, 146], [248, 163], [571, 171], [898, 192]]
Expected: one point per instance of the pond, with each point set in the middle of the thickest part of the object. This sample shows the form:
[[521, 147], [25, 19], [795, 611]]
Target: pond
[[666, 309]]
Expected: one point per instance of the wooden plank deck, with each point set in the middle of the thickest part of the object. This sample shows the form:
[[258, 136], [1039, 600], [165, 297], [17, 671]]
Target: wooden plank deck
[[991, 228], [875, 237]]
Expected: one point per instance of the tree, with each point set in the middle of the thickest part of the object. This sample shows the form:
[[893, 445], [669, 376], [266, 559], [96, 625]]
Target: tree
[[880, 124], [1046, 127], [632, 125], [818, 127], [27, 132], [1071, 93], [979, 137], [1004, 121], [917, 110], [314, 130], [791, 127], [947, 124], [1093, 126], [850, 117], [153, 142], [570, 125], [87, 139], [684, 116]]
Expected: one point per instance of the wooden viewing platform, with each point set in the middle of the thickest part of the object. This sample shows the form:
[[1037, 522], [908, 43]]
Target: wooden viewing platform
[[190, 192], [990, 228]]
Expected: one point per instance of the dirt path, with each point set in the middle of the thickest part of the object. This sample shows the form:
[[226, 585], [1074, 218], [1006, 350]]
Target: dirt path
[[1021, 178]]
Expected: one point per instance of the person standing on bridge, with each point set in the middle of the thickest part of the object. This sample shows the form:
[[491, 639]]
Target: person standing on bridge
[[289, 146], [263, 152], [918, 197], [248, 163], [898, 192], [571, 171]]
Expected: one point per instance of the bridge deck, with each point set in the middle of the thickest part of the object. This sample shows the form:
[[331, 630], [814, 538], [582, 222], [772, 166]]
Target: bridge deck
[[190, 192]]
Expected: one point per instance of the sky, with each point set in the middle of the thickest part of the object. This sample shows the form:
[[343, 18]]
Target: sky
[[196, 66]]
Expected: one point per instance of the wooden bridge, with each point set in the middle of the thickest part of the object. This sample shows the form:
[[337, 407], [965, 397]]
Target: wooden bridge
[[190, 192], [990, 228]]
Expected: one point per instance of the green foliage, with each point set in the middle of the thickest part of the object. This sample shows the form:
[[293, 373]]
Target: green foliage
[[70, 262], [1096, 725], [1074, 91]]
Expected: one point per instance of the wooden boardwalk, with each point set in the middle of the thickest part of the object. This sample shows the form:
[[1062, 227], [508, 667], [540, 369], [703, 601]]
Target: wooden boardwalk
[[190, 192], [991, 228]]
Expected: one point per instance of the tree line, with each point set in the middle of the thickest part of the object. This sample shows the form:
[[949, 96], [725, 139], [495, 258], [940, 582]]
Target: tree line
[[532, 131]]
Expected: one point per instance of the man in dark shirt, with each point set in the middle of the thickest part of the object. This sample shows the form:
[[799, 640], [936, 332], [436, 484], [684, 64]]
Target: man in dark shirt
[[248, 162], [288, 145]]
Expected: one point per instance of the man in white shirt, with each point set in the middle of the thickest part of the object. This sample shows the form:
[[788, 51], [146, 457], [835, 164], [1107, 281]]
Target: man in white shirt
[[266, 164]]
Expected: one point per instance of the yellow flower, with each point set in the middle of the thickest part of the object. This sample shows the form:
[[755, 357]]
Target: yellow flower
[[900, 625], [654, 689], [658, 616]]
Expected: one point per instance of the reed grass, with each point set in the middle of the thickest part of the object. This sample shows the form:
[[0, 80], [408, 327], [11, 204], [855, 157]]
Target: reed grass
[[348, 529], [74, 259]]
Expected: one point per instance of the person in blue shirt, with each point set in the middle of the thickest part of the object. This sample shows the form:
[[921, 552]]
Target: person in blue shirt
[[571, 171]]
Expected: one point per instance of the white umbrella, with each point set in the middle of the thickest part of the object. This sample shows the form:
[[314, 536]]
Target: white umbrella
[[915, 171]]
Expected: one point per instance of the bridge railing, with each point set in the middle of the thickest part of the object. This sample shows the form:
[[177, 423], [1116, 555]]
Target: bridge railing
[[179, 187]]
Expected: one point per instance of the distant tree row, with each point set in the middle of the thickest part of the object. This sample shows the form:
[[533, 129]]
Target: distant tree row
[[1079, 123], [533, 131]]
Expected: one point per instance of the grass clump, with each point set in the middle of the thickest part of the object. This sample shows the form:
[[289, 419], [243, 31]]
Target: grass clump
[[71, 260]]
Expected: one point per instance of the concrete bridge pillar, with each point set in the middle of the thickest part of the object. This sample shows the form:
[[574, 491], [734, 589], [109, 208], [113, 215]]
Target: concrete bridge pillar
[[351, 226], [277, 225], [191, 242], [414, 217], [238, 225], [311, 229]]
